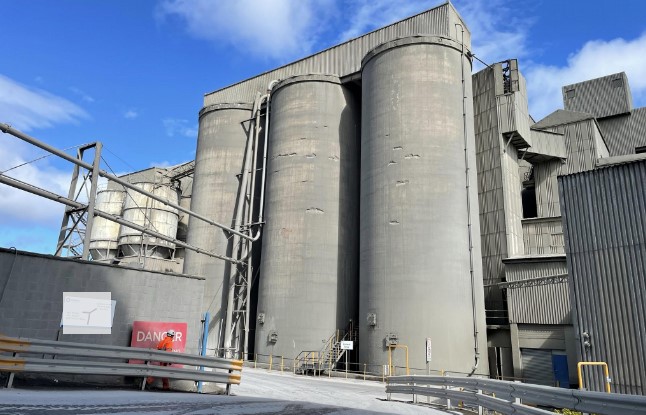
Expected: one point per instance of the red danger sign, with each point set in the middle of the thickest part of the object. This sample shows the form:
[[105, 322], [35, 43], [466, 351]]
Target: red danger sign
[[148, 334]]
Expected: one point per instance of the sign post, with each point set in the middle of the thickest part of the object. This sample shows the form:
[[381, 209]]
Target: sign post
[[428, 360], [346, 345]]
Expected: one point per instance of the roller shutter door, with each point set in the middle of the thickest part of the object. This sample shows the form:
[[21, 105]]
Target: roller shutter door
[[537, 366]]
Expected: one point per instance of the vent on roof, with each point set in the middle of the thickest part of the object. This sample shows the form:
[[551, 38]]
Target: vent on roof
[[569, 93], [617, 83]]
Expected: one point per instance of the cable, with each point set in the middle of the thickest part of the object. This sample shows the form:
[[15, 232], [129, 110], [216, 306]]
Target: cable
[[122, 160], [480, 60], [39, 158]]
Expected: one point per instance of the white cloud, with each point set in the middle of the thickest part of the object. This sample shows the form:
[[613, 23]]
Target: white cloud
[[27, 108], [279, 29], [176, 126], [498, 30], [130, 114], [17, 206], [595, 59], [85, 97], [367, 15]]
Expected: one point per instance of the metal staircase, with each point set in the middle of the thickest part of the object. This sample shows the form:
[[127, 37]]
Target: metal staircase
[[326, 359]]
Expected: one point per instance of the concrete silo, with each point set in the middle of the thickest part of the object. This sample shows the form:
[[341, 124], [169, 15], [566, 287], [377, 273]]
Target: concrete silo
[[218, 163], [419, 278], [309, 266], [152, 214], [105, 233]]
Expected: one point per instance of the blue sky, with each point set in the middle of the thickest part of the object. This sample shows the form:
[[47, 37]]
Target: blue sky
[[132, 74]]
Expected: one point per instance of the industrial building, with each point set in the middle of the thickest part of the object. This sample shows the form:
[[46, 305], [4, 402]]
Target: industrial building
[[380, 192]]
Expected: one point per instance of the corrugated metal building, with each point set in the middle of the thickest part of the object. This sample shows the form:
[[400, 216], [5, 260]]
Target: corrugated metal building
[[604, 217]]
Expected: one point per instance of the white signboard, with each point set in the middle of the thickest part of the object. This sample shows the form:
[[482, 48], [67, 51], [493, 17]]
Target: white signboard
[[347, 345], [87, 313], [428, 349]]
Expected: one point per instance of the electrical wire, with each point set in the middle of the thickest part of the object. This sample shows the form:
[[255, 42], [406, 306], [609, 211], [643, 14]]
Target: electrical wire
[[39, 158]]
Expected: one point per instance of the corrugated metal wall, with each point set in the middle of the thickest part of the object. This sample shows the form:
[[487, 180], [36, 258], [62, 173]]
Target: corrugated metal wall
[[513, 113], [541, 304], [601, 97], [604, 214], [624, 133], [581, 140], [543, 236], [345, 59]]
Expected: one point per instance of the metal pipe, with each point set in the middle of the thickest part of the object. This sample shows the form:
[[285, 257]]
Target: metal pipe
[[469, 225], [250, 219], [237, 220], [96, 165], [58, 198], [579, 369], [261, 210], [5, 128]]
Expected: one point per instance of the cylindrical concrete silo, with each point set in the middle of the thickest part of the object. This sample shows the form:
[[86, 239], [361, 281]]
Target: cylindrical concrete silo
[[105, 233], [219, 160], [309, 266], [418, 277], [152, 214]]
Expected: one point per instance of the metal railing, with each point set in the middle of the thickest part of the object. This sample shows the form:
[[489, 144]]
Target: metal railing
[[30, 356], [505, 397]]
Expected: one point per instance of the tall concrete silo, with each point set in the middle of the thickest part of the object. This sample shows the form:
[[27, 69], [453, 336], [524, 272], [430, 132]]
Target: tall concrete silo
[[105, 233], [419, 278], [218, 163], [152, 214], [309, 266]]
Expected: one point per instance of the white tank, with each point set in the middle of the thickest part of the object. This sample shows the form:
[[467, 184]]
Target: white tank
[[154, 215], [105, 233]]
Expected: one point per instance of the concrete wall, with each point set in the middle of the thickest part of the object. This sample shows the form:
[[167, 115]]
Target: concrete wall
[[31, 302]]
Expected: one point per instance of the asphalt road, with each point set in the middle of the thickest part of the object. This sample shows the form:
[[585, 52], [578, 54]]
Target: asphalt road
[[261, 392]]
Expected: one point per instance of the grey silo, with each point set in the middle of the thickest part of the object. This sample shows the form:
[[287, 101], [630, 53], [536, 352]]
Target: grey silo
[[415, 277], [144, 211], [309, 266], [105, 233], [219, 160]]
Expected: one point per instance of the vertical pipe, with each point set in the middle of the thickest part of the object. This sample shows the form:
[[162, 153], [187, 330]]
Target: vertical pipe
[[250, 214], [469, 229], [205, 340], [228, 326]]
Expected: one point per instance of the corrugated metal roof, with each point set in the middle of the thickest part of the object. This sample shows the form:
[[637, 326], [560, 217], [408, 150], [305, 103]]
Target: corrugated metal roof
[[604, 216], [624, 133], [602, 97], [345, 59], [561, 117]]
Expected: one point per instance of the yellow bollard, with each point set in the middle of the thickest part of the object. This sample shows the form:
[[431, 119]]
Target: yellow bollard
[[255, 361], [270, 361], [364, 371], [281, 364]]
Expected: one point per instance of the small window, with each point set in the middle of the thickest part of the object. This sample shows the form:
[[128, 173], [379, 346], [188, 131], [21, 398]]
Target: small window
[[640, 150], [528, 196], [569, 93], [617, 83]]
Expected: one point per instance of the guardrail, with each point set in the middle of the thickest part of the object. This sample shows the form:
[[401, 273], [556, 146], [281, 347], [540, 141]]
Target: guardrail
[[505, 397], [112, 361]]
